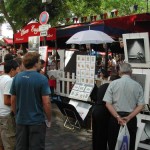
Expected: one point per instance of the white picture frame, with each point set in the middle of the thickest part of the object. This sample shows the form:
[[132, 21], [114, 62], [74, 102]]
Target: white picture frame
[[136, 49], [78, 79], [93, 59], [82, 58], [76, 87], [33, 43], [81, 88], [82, 73], [87, 59], [78, 73], [147, 83], [87, 66], [78, 58], [78, 67], [88, 89]]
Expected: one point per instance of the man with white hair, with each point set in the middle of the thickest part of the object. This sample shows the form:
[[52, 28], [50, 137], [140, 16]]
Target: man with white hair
[[124, 99]]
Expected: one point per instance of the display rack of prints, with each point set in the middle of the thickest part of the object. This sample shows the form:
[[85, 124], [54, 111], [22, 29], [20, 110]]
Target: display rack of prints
[[85, 73]]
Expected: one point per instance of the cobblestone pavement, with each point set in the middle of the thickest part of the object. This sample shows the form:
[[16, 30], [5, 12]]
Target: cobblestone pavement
[[60, 138]]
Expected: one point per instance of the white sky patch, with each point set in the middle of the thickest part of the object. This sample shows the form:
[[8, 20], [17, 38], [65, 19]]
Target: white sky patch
[[6, 31]]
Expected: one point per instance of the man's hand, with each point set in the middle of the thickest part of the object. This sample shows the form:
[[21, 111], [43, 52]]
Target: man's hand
[[127, 119], [121, 121], [48, 124]]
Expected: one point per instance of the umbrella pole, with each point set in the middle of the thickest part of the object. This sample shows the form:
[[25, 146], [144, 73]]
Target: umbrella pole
[[106, 56]]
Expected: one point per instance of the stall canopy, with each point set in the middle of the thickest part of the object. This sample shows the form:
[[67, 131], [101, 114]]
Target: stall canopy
[[114, 27], [8, 41], [32, 29]]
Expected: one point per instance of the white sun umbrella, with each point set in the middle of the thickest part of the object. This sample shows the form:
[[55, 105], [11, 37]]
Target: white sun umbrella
[[89, 37]]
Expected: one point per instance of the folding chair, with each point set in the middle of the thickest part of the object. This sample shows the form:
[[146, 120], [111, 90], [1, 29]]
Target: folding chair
[[73, 118]]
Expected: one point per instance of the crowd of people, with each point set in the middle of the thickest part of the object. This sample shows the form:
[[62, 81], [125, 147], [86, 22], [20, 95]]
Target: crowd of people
[[25, 105], [25, 108]]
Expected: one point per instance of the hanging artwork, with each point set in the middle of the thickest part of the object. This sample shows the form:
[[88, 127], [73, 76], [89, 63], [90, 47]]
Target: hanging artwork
[[142, 77], [136, 48], [34, 43]]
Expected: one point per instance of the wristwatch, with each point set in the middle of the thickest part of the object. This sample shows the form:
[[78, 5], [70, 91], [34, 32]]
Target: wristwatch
[[117, 116]]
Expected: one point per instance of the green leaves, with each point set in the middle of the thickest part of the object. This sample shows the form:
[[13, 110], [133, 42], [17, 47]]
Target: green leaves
[[19, 12]]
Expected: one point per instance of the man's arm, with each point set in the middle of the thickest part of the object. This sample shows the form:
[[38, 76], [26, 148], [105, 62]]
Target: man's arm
[[13, 103], [115, 114], [7, 100], [47, 106]]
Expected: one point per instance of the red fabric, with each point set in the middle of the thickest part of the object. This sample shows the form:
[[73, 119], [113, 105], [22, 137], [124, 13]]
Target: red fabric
[[128, 22], [8, 41], [32, 29], [52, 83]]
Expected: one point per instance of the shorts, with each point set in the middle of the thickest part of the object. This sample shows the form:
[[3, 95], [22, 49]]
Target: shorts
[[7, 132]]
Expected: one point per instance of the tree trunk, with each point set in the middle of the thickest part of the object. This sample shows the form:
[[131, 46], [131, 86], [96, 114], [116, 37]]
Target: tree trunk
[[9, 20]]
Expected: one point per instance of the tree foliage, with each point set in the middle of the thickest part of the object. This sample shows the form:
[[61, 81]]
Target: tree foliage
[[19, 12]]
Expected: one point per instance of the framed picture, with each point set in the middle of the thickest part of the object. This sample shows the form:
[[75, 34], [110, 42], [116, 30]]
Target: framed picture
[[76, 87], [87, 59], [143, 78], [78, 73], [82, 58], [88, 89], [92, 67], [82, 80], [78, 79], [78, 58], [93, 59], [87, 66], [83, 73], [81, 88], [82, 65], [33, 43], [136, 49], [78, 66], [87, 73]]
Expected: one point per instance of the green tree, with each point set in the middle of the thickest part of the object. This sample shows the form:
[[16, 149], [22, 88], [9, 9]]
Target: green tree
[[19, 12]]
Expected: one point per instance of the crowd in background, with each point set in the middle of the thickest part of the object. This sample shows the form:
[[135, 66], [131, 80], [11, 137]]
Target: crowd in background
[[25, 95]]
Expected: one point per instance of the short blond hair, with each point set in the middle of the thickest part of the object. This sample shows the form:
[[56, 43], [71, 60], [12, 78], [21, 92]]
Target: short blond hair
[[30, 59]]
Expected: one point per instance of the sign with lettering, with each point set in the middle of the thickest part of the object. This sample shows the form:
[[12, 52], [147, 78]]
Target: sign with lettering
[[32, 29], [43, 33], [44, 27]]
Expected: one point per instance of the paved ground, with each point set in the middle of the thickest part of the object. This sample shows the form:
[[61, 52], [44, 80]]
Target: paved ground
[[60, 138]]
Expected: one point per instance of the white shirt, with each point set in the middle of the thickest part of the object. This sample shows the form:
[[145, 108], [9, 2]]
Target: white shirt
[[5, 84]]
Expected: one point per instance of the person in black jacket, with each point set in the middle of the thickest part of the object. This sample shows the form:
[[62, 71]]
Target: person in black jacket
[[100, 119]]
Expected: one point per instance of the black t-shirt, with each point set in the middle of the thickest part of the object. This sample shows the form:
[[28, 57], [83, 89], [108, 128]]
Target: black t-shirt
[[101, 92]]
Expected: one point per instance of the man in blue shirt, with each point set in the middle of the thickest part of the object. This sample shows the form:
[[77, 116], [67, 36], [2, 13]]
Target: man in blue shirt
[[31, 103]]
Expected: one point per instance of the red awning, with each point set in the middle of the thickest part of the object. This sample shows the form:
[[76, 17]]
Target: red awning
[[32, 29], [130, 23], [8, 41]]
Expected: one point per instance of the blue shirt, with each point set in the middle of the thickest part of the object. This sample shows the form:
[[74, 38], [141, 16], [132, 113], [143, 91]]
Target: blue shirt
[[124, 94], [29, 87]]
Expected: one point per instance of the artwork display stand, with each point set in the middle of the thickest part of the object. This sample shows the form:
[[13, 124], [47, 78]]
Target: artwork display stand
[[143, 119], [137, 53], [81, 91]]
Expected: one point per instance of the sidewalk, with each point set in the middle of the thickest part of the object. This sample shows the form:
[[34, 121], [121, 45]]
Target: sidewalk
[[60, 138]]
